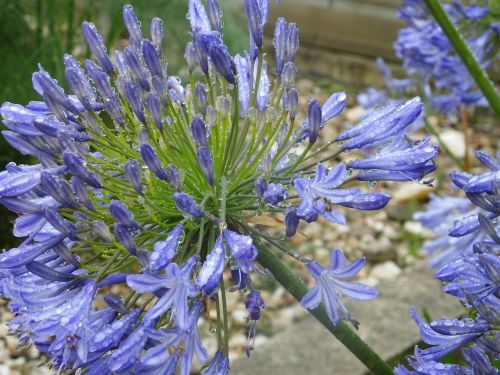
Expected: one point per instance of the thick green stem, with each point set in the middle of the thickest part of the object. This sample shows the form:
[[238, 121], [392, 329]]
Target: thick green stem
[[341, 331], [476, 71]]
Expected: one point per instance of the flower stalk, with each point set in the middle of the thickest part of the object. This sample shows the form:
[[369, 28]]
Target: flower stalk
[[341, 331]]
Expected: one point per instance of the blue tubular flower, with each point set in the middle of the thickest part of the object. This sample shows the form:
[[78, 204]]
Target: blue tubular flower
[[180, 287], [316, 195], [453, 335], [397, 158], [211, 270], [218, 366], [389, 121], [175, 347], [330, 284]]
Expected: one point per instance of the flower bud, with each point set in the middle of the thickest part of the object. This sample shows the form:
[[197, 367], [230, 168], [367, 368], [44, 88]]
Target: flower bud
[[122, 215], [133, 174], [214, 15], [255, 22], [206, 162], [102, 230], [211, 116], [190, 55], [291, 222], [223, 62], [160, 89], [292, 42], [314, 120], [48, 273], [201, 96], [64, 226], [199, 132], [76, 166], [292, 103], [288, 75], [280, 36], [211, 271], [186, 204], [136, 68], [157, 33], [96, 45], [154, 106], [80, 190], [116, 303], [152, 161], [173, 177], [132, 24], [125, 238], [260, 186], [151, 58], [77, 86]]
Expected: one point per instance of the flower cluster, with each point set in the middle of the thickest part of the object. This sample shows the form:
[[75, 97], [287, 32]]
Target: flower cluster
[[144, 186], [429, 56], [469, 267]]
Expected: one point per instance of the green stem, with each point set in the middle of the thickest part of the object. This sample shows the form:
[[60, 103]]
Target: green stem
[[476, 71], [341, 331], [226, 318]]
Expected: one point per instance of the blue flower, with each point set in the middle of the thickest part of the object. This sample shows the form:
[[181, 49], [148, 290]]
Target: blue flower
[[317, 195], [218, 366], [174, 347], [446, 336], [331, 284], [211, 270], [177, 280]]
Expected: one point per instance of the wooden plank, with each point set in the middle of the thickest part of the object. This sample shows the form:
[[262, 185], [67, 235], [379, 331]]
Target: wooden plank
[[363, 30]]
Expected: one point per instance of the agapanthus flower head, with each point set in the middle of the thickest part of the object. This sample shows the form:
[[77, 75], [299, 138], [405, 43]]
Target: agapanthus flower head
[[430, 59], [466, 254], [148, 183]]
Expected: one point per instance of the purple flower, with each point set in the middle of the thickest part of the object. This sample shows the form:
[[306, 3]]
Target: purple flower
[[330, 284], [185, 203], [180, 287]]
